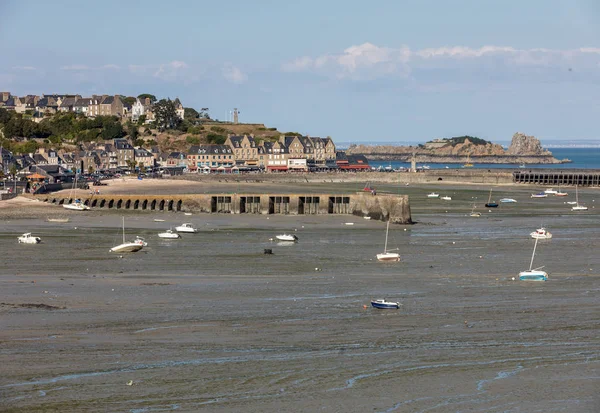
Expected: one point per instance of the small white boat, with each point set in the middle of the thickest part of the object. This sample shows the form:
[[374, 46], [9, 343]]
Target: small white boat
[[447, 198], [533, 274], [578, 207], [541, 233], [508, 200], [287, 238], [540, 195], [382, 304], [522, 165], [140, 240], [158, 220], [550, 191], [187, 227], [127, 246], [348, 223], [61, 220], [367, 218], [27, 238], [387, 255], [76, 205], [169, 234], [187, 213], [572, 202], [433, 195], [561, 193]]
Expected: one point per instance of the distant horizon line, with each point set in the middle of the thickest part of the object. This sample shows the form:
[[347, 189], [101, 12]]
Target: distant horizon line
[[551, 143]]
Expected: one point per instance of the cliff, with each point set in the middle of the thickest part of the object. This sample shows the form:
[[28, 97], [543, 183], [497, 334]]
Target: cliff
[[523, 149]]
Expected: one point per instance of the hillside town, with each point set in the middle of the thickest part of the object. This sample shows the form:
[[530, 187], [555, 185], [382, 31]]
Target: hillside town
[[237, 154]]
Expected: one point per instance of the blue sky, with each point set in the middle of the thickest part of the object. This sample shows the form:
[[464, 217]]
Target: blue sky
[[390, 71]]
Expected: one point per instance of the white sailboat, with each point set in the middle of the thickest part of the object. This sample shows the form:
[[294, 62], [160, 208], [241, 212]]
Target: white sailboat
[[578, 207], [473, 213], [127, 246], [387, 255], [77, 204], [533, 274]]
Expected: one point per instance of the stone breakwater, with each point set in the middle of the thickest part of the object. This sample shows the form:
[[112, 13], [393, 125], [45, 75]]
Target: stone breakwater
[[396, 208], [453, 159]]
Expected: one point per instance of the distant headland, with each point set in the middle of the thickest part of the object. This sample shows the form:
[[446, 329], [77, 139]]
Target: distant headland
[[523, 149]]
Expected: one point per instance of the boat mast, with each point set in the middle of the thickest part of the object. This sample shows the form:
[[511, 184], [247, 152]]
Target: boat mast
[[490, 197], [123, 230], [386, 236], [533, 255]]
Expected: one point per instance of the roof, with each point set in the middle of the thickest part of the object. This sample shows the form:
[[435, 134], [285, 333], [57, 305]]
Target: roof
[[70, 101], [108, 100], [236, 141], [122, 144], [210, 149], [83, 102]]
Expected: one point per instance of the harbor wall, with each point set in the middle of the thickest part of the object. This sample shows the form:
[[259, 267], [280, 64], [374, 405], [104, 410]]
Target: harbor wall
[[379, 207]]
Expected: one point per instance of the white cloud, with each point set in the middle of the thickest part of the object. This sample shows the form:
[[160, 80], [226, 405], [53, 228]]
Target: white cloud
[[234, 74], [369, 61], [75, 67], [23, 68], [171, 71]]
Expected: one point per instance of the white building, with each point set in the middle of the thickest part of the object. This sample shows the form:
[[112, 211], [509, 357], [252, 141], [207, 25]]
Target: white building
[[137, 110]]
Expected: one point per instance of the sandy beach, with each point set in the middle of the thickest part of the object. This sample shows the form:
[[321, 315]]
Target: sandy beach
[[210, 323]]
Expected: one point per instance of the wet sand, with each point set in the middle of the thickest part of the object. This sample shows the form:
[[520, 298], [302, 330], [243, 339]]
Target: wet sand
[[210, 323]]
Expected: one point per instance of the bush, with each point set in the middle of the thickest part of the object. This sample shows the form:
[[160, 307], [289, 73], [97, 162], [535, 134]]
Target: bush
[[193, 140], [216, 139]]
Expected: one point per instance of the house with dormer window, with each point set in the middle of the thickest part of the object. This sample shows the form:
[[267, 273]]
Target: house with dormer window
[[210, 158], [245, 149]]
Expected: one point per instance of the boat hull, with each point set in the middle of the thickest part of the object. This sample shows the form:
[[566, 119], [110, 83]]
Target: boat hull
[[168, 235], [76, 207], [385, 305], [579, 208], [30, 240], [491, 205], [286, 238], [388, 257], [534, 275], [189, 230], [127, 247], [508, 200]]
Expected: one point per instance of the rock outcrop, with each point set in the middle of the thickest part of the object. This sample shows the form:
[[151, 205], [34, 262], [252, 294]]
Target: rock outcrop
[[524, 145], [523, 149]]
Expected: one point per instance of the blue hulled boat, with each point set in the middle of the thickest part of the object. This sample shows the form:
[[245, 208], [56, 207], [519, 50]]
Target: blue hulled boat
[[385, 305]]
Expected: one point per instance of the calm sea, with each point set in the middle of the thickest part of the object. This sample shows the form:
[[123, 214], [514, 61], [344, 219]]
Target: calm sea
[[582, 158]]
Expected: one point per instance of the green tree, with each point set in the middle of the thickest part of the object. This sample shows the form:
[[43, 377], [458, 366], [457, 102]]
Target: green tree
[[193, 140], [216, 139], [166, 114], [5, 116], [112, 130], [129, 100], [147, 95], [131, 164], [141, 120], [90, 169], [190, 114], [13, 171], [132, 130]]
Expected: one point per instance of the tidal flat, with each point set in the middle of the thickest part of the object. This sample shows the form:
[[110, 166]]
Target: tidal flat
[[210, 323]]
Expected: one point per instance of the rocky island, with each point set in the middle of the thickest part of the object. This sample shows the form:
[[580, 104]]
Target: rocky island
[[523, 149]]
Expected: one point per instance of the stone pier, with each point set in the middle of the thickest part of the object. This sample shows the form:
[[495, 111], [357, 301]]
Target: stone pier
[[381, 207]]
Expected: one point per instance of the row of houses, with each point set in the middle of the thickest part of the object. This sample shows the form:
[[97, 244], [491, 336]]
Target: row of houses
[[44, 106], [239, 153]]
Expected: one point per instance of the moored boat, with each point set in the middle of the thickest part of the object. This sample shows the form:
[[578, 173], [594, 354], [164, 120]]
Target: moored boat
[[433, 195], [132, 246], [187, 227], [539, 195], [27, 238], [382, 304], [169, 234], [541, 233], [287, 238], [533, 274], [387, 255], [508, 200]]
